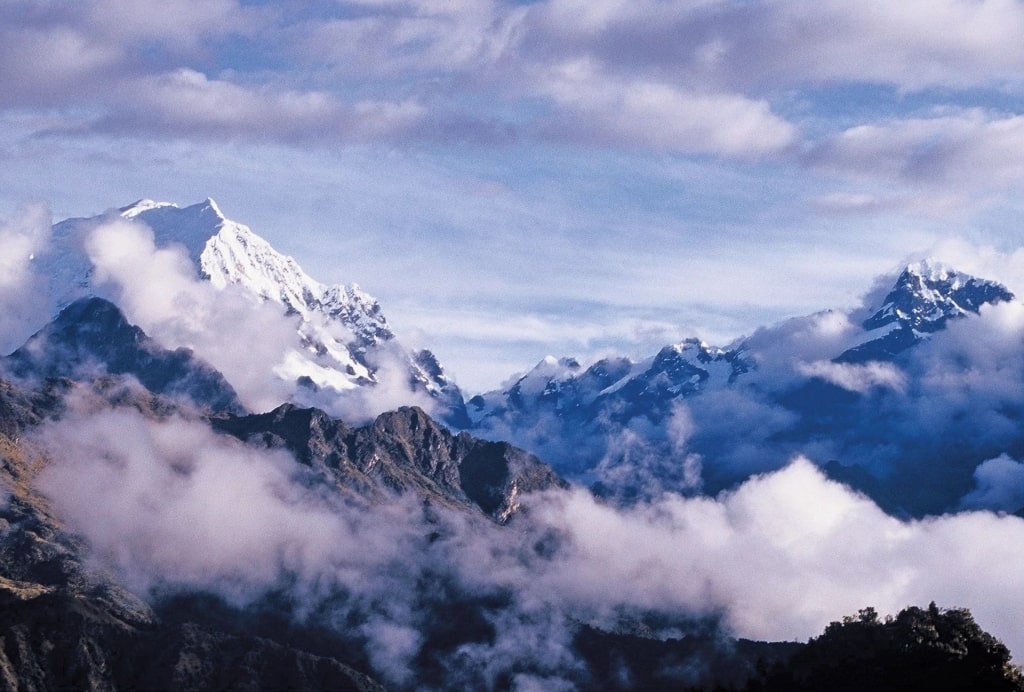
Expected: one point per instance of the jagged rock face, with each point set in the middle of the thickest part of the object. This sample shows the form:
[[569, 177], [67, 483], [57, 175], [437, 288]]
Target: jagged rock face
[[44, 581], [928, 294], [91, 337], [925, 297], [613, 388], [65, 626], [20, 409], [56, 640], [401, 452], [429, 376]]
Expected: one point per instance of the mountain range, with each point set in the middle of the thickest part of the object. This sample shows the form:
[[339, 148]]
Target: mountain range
[[833, 383], [159, 530], [627, 428]]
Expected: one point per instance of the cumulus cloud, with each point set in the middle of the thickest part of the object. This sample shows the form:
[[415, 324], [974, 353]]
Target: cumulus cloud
[[22, 302], [79, 53], [598, 108], [391, 390], [747, 45], [692, 78], [913, 45], [813, 545], [643, 459], [856, 377], [186, 101], [973, 147], [168, 504], [1000, 485], [171, 486], [159, 291], [779, 349]]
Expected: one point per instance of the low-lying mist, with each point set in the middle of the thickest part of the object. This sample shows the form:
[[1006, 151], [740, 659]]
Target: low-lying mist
[[168, 505]]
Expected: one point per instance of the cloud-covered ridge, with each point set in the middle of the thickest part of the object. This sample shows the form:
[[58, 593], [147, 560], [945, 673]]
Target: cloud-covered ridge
[[170, 505]]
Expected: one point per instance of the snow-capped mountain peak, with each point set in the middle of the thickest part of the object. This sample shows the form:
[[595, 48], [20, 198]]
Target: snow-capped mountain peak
[[928, 293], [923, 298], [191, 226], [931, 269], [230, 253], [341, 327]]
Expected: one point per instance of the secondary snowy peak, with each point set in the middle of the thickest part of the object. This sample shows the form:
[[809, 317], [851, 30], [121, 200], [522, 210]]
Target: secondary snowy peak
[[929, 293], [614, 386], [924, 297]]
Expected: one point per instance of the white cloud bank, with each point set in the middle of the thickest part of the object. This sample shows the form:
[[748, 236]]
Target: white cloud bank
[[21, 295], [170, 503]]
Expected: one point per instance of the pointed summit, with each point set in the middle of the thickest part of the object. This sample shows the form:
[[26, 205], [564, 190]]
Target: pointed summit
[[343, 336], [925, 296], [929, 293], [190, 226], [91, 337]]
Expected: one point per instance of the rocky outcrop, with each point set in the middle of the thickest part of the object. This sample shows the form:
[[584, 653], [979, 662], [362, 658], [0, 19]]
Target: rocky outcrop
[[64, 625], [52, 639], [91, 339], [400, 452]]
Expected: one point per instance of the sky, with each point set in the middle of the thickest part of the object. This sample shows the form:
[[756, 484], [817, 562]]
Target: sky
[[517, 179]]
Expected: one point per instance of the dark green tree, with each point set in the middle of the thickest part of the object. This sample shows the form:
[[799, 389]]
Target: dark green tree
[[919, 649]]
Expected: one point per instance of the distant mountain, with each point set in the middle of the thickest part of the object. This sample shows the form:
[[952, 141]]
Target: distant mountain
[[615, 388], [343, 333], [91, 339], [699, 418], [925, 297]]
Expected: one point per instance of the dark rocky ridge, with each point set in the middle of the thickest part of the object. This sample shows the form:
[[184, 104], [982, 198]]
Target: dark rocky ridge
[[56, 639], [925, 297], [401, 451], [91, 337], [63, 625]]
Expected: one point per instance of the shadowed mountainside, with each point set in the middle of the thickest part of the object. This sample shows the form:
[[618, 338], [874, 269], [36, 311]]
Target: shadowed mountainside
[[401, 451]]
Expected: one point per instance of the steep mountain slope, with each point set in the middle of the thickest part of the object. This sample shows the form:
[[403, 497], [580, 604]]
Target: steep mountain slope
[[91, 343], [91, 338], [402, 451], [64, 624], [344, 342], [925, 297]]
